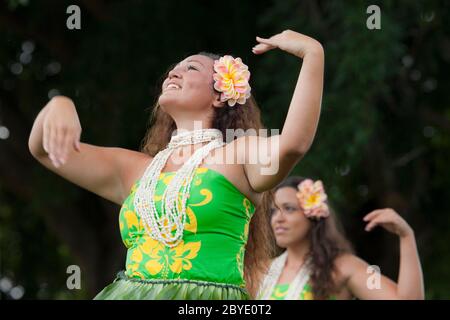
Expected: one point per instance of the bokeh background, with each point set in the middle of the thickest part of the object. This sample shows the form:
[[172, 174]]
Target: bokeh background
[[383, 138]]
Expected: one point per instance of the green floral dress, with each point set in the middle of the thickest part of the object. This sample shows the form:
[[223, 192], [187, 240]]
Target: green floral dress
[[206, 264], [281, 289]]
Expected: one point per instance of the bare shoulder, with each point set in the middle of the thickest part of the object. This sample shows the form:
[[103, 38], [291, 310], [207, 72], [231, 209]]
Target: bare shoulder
[[347, 264], [230, 163]]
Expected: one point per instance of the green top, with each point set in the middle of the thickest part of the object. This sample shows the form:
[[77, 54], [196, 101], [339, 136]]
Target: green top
[[214, 238], [281, 289]]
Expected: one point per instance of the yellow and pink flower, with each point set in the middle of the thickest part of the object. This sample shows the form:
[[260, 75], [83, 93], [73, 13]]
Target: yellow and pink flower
[[312, 198], [231, 79]]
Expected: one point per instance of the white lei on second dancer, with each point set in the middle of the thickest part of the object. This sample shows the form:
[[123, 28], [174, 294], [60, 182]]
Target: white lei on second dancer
[[173, 208], [274, 273]]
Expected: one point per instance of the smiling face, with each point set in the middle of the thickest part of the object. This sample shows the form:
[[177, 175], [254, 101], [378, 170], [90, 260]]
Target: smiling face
[[288, 222], [189, 87]]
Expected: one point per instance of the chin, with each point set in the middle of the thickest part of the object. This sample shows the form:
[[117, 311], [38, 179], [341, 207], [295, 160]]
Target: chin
[[282, 243], [168, 102], [165, 101]]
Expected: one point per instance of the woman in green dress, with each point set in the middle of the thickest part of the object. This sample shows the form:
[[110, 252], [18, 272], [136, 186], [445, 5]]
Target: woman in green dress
[[319, 263], [207, 264], [193, 200]]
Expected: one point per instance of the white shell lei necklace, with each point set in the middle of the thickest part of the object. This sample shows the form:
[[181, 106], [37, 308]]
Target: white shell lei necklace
[[271, 279], [173, 213]]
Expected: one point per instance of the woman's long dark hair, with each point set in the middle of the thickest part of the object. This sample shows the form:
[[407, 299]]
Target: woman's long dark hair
[[260, 245], [327, 242]]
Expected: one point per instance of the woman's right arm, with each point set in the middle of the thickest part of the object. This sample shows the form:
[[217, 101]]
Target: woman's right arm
[[410, 279], [106, 171]]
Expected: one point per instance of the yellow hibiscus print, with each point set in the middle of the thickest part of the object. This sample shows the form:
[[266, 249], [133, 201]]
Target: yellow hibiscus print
[[183, 255], [132, 268], [131, 219], [162, 258], [136, 255]]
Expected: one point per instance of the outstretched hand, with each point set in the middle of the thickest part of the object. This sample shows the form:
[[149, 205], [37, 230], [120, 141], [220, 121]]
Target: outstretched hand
[[290, 41], [61, 130], [389, 220]]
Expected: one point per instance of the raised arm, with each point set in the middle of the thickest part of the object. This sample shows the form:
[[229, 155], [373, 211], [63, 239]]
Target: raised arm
[[304, 110], [106, 171], [410, 279]]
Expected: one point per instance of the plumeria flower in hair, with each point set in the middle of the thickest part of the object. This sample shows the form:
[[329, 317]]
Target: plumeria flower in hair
[[312, 198], [231, 79]]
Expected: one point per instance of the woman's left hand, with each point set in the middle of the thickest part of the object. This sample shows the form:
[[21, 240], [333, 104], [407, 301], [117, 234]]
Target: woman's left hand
[[389, 220], [290, 41]]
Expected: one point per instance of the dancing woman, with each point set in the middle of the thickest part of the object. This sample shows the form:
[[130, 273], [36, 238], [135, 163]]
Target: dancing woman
[[187, 226], [318, 262]]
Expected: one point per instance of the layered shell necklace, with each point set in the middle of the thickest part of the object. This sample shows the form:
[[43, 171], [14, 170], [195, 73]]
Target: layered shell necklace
[[160, 227], [274, 273]]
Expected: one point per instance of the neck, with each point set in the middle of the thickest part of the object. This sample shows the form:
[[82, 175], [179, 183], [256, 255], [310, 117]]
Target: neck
[[192, 123], [297, 254]]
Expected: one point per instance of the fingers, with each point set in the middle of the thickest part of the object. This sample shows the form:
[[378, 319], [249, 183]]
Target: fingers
[[372, 215], [69, 141], [46, 139], [59, 141], [67, 144], [381, 219], [375, 218], [58, 146], [259, 48], [60, 138], [372, 224], [265, 41], [52, 144], [389, 220], [375, 222], [263, 45]]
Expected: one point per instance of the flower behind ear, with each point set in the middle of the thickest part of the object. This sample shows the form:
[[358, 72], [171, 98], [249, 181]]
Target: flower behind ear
[[312, 198], [231, 79]]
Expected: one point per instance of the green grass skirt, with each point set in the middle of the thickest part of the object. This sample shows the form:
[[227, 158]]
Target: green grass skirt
[[125, 288]]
